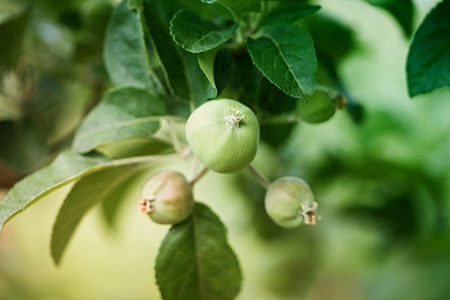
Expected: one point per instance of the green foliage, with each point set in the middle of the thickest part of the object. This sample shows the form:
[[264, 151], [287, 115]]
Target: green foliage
[[206, 62], [200, 89], [325, 29], [428, 65], [125, 51], [123, 113], [239, 8], [66, 168], [285, 55], [13, 22], [108, 90], [401, 10], [112, 204], [87, 192], [289, 12], [191, 252], [196, 35], [170, 55]]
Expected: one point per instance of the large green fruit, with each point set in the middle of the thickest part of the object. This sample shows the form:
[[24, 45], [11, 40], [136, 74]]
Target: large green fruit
[[289, 202], [167, 198], [224, 134]]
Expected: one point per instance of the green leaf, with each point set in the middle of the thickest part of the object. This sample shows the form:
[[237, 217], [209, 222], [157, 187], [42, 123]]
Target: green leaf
[[13, 22], [135, 4], [140, 146], [125, 51], [87, 192], [195, 260], [239, 7], [10, 10], [197, 35], [206, 62], [275, 108], [285, 55], [199, 86], [67, 167], [111, 203], [123, 113], [130, 187], [271, 100], [401, 10], [183, 75], [168, 52], [428, 62], [325, 30], [290, 13]]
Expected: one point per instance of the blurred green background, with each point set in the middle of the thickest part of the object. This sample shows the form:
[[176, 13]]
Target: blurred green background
[[383, 185]]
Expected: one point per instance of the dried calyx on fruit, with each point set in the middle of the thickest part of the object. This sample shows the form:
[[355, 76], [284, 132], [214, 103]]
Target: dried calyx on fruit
[[290, 202], [167, 198]]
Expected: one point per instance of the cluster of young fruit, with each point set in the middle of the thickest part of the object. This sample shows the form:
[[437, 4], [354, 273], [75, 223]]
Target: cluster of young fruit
[[224, 135]]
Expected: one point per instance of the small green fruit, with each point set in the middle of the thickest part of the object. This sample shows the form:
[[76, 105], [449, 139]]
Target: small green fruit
[[167, 198], [224, 134], [318, 108], [289, 202]]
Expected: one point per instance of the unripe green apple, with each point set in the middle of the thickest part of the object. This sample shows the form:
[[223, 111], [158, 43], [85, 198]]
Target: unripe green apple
[[318, 108], [289, 202], [223, 134], [167, 198]]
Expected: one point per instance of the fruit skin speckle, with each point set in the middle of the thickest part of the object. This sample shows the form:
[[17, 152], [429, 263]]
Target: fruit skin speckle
[[224, 135]]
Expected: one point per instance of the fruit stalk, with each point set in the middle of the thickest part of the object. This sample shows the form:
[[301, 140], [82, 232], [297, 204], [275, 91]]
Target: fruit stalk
[[258, 176], [198, 176]]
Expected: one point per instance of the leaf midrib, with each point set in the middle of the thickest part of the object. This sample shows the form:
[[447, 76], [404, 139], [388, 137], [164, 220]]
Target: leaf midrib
[[118, 125], [201, 287], [209, 34], [276, 44]]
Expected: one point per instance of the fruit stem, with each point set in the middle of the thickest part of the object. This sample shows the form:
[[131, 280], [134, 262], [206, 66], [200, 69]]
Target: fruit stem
[[198, 176], [258, 176]]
